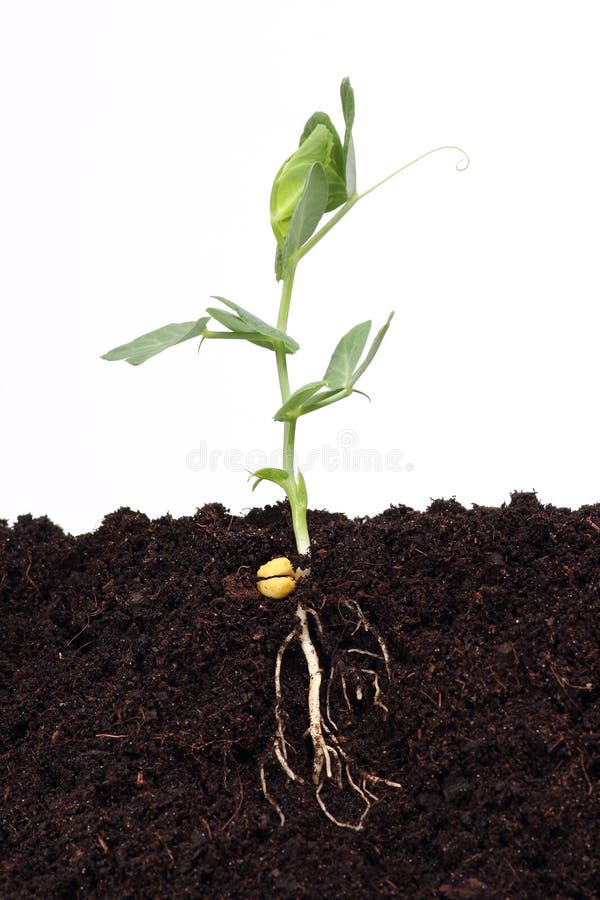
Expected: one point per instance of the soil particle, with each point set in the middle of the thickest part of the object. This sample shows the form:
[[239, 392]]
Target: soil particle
[[137, 705]]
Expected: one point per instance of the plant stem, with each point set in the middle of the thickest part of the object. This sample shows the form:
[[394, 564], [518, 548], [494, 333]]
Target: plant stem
[[295, 490], [282, 373], [300, 525], [282, 319]]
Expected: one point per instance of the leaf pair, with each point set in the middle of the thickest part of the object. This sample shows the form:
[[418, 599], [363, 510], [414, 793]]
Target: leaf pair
[[247, 326], [318, 178], [342, 374], [241, 325]]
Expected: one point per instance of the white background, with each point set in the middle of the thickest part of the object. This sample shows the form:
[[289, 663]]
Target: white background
[[139, 141]]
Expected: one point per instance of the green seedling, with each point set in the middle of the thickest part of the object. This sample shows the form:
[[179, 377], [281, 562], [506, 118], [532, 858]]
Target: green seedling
[[317, 179]]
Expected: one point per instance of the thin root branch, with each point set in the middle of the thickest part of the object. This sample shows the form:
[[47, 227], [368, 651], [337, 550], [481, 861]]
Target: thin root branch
[[284, 763], [350, 825], [363, 623], [280, 742], [345, 691], [377, 698], [315, 616], [328, 699], [364, 652], [271, 799], [237, 809]]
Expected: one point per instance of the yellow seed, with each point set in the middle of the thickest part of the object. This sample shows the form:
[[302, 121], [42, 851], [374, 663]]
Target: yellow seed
[[276, 588], [279, 566]]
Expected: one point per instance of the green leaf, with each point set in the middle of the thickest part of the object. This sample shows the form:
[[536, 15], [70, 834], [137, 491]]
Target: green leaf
[[347, 95], [335, 166], [308, 212], [277, 476], [228, 320], [142, 348], [342, 373], [290, 181], [301, 493], [247, 323], [346, 356], [294, 405], [373, 349], [350, 169]]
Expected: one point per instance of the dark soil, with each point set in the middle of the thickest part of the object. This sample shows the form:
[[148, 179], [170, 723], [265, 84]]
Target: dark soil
[[136, 666]]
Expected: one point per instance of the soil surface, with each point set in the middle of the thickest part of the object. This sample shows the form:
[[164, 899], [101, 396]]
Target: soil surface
[[137, 676]]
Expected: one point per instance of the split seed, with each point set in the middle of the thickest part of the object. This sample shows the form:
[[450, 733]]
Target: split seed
[[279, 566], [279, 578], [276, 588]]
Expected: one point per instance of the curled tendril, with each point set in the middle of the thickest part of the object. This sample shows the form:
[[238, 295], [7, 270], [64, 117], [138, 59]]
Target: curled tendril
[[462, 164]]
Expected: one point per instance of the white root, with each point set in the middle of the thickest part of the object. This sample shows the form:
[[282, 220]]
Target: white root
[[377, 701], [345, 691], [363, 623], [271, 799], [279, 743], [320, 749], [328, 699], [364, 652], [330, 760], [284, 763]]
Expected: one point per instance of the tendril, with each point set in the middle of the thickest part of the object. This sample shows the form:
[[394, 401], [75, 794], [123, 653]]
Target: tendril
[[462, 164]]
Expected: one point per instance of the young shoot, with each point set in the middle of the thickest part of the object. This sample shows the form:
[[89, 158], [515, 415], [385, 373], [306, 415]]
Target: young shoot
[[318, 179]]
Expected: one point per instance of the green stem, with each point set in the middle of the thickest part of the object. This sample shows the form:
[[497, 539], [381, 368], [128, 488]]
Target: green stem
[[300, 525], [282, 372], [286, 296], [295, 490]]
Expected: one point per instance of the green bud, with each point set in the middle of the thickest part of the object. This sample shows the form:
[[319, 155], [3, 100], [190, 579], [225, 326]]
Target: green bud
[[320, 143]]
